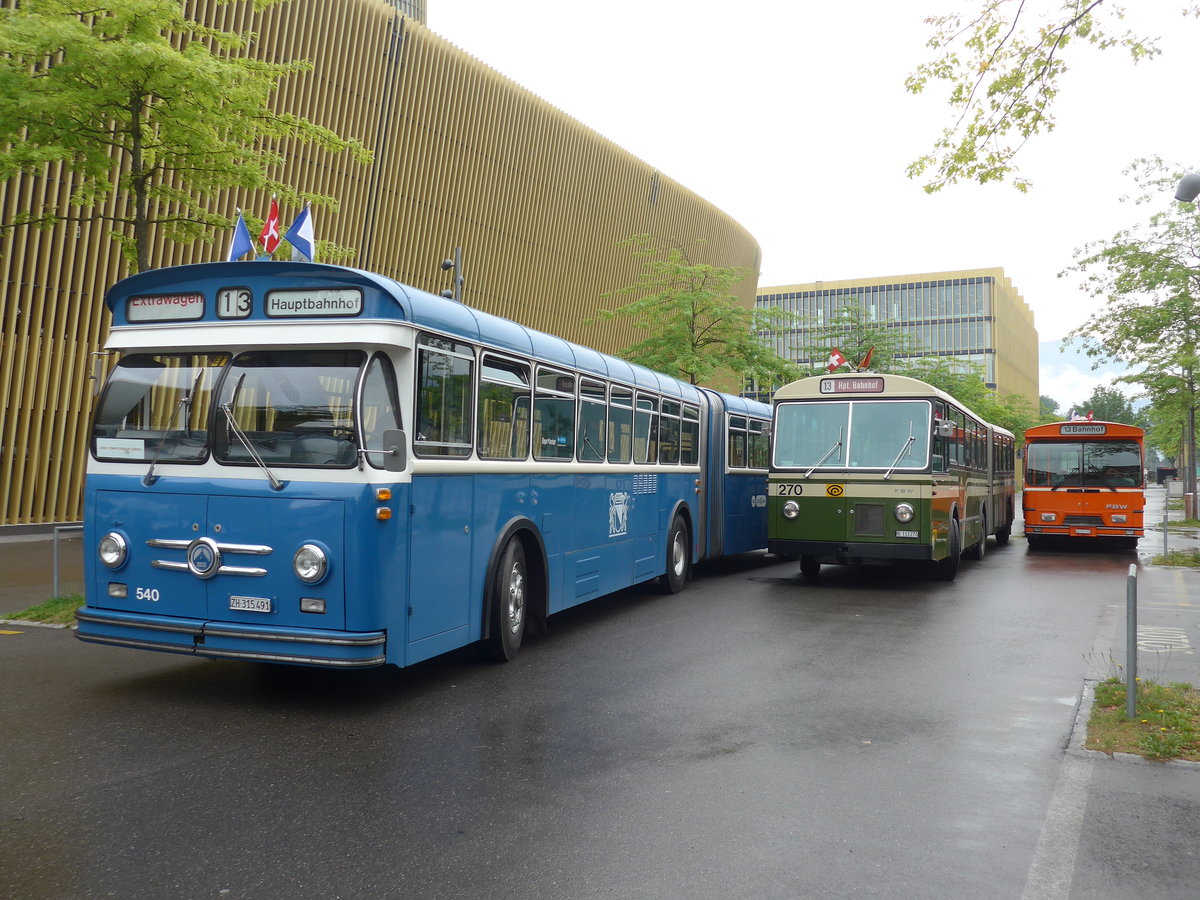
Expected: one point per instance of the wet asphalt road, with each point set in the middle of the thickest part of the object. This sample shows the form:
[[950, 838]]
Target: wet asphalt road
[[875, 734]]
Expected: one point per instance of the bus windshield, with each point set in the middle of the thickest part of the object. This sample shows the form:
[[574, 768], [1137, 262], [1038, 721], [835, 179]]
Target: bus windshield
[[870, 434], [1083, 464], [292, 407], [156, 406]]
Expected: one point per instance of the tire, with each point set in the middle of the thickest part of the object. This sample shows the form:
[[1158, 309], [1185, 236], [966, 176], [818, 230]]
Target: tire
[[1035, 542], [679, 559], [509, 604], [810, 567], [978, 551], [1003, 534], [948, 568]]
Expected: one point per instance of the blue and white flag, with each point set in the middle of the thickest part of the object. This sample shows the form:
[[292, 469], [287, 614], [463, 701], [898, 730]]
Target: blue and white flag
[[300, 236], [242, 243]]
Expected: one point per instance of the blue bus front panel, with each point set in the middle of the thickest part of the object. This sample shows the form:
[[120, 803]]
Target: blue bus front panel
[[210, 572]]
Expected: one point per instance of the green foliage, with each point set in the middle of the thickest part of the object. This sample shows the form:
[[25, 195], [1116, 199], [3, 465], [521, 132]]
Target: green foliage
[[55, 611], [1003, 73], [1048, 410], [1107, 404], [137, 100], [1147, 279], [853, 333], [697, 330], [1166, 724]]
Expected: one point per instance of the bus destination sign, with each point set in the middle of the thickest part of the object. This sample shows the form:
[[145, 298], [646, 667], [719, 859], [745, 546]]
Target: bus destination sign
[[315, 302], [164, 307], [851, 385], [1082, 428]]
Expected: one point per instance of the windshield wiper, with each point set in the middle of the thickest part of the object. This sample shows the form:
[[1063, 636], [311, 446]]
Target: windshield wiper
[[903, 450], [828, 453], [186, 400], [276, 484]]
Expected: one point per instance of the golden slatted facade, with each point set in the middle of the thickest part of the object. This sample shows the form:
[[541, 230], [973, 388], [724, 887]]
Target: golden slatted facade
[[464, 158]]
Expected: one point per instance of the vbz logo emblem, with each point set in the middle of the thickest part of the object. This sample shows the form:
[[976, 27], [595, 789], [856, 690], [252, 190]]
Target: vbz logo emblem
[[834, 490]]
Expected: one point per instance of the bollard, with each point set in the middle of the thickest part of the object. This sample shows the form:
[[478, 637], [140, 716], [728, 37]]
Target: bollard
[[1131, 642], [1166, 509], [61, 529]]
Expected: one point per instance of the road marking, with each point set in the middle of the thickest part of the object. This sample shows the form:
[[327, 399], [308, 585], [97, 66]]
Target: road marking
[[1159, 640], [1053, 866], [6, 631]]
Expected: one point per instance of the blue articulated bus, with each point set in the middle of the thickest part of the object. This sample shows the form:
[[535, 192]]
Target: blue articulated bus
[[310, 464]]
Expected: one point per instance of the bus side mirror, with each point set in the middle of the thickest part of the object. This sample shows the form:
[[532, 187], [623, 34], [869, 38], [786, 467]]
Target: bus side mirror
[[943, 428], [394, 459]]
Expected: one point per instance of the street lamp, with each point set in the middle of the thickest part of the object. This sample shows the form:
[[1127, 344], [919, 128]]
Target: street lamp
[[1189, 188], [1187, 192]]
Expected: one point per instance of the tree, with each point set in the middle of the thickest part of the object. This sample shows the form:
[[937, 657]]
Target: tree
[[1048, 410], [1148, 279], [1003, 72], [855, 335], [1110, 405], [895, 352], [697, 329], [133, 98]]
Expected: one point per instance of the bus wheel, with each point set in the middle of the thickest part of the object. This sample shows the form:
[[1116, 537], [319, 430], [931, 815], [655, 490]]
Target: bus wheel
[[1035, 543], [1003, 534], [679, 559], [947, 568], [509, 604], [978, 551], [810, 566]]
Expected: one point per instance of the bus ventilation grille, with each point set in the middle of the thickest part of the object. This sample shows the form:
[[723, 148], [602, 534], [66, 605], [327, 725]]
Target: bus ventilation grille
[[1082, 520], [868, 518]]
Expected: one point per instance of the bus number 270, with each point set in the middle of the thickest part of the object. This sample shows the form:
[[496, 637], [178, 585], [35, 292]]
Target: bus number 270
[[790, 490]]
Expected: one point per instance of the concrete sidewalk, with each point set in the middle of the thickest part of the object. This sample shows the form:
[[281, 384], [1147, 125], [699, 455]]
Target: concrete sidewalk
[[27, 568]]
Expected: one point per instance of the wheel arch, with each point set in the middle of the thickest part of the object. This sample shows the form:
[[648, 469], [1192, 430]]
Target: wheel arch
[[531, 539]]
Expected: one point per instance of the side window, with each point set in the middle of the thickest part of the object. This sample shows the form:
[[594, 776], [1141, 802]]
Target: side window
[[504, 406], [445, 382], [620, 424], [689, 436], [380, 406], [593, 409], [737, 442], [554, 415], [668, 432], [941, 445], [760, 444], [645, 430]]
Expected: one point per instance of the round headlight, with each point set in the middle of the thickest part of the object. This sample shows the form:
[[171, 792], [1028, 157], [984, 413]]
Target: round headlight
[[904, 512], [113, 550], [310, 563], [791, 509]]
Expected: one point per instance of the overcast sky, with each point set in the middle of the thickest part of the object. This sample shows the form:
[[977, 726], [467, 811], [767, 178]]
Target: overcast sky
[[792, 117]]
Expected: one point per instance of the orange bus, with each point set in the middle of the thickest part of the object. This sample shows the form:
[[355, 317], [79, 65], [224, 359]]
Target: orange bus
[[1084, 480]]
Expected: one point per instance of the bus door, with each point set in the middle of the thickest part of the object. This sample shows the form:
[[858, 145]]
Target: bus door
[[710, 510]]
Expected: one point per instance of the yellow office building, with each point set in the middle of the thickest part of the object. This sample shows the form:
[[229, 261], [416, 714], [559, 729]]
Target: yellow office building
[[464, 158], [975, 315]]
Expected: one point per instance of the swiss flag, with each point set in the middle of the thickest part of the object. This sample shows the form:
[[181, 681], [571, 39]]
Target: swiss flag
[[270, 231], [835, 359]]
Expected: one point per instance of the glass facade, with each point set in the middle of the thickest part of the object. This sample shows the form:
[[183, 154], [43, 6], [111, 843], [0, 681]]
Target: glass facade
[[976, 318]]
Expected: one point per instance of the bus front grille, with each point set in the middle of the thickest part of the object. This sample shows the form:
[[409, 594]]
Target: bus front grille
[[1082, 520], [868, 518]]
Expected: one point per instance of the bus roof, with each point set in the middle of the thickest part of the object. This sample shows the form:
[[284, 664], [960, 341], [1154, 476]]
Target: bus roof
[[870, 386], [198, 286], [1070, 431]]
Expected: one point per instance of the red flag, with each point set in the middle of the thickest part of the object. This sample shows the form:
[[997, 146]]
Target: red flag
[[1089, 418], [270, 230], [866, 360], [835, 359]]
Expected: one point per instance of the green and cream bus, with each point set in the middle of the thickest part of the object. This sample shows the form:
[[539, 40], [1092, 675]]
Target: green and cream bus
[[872, 469]]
